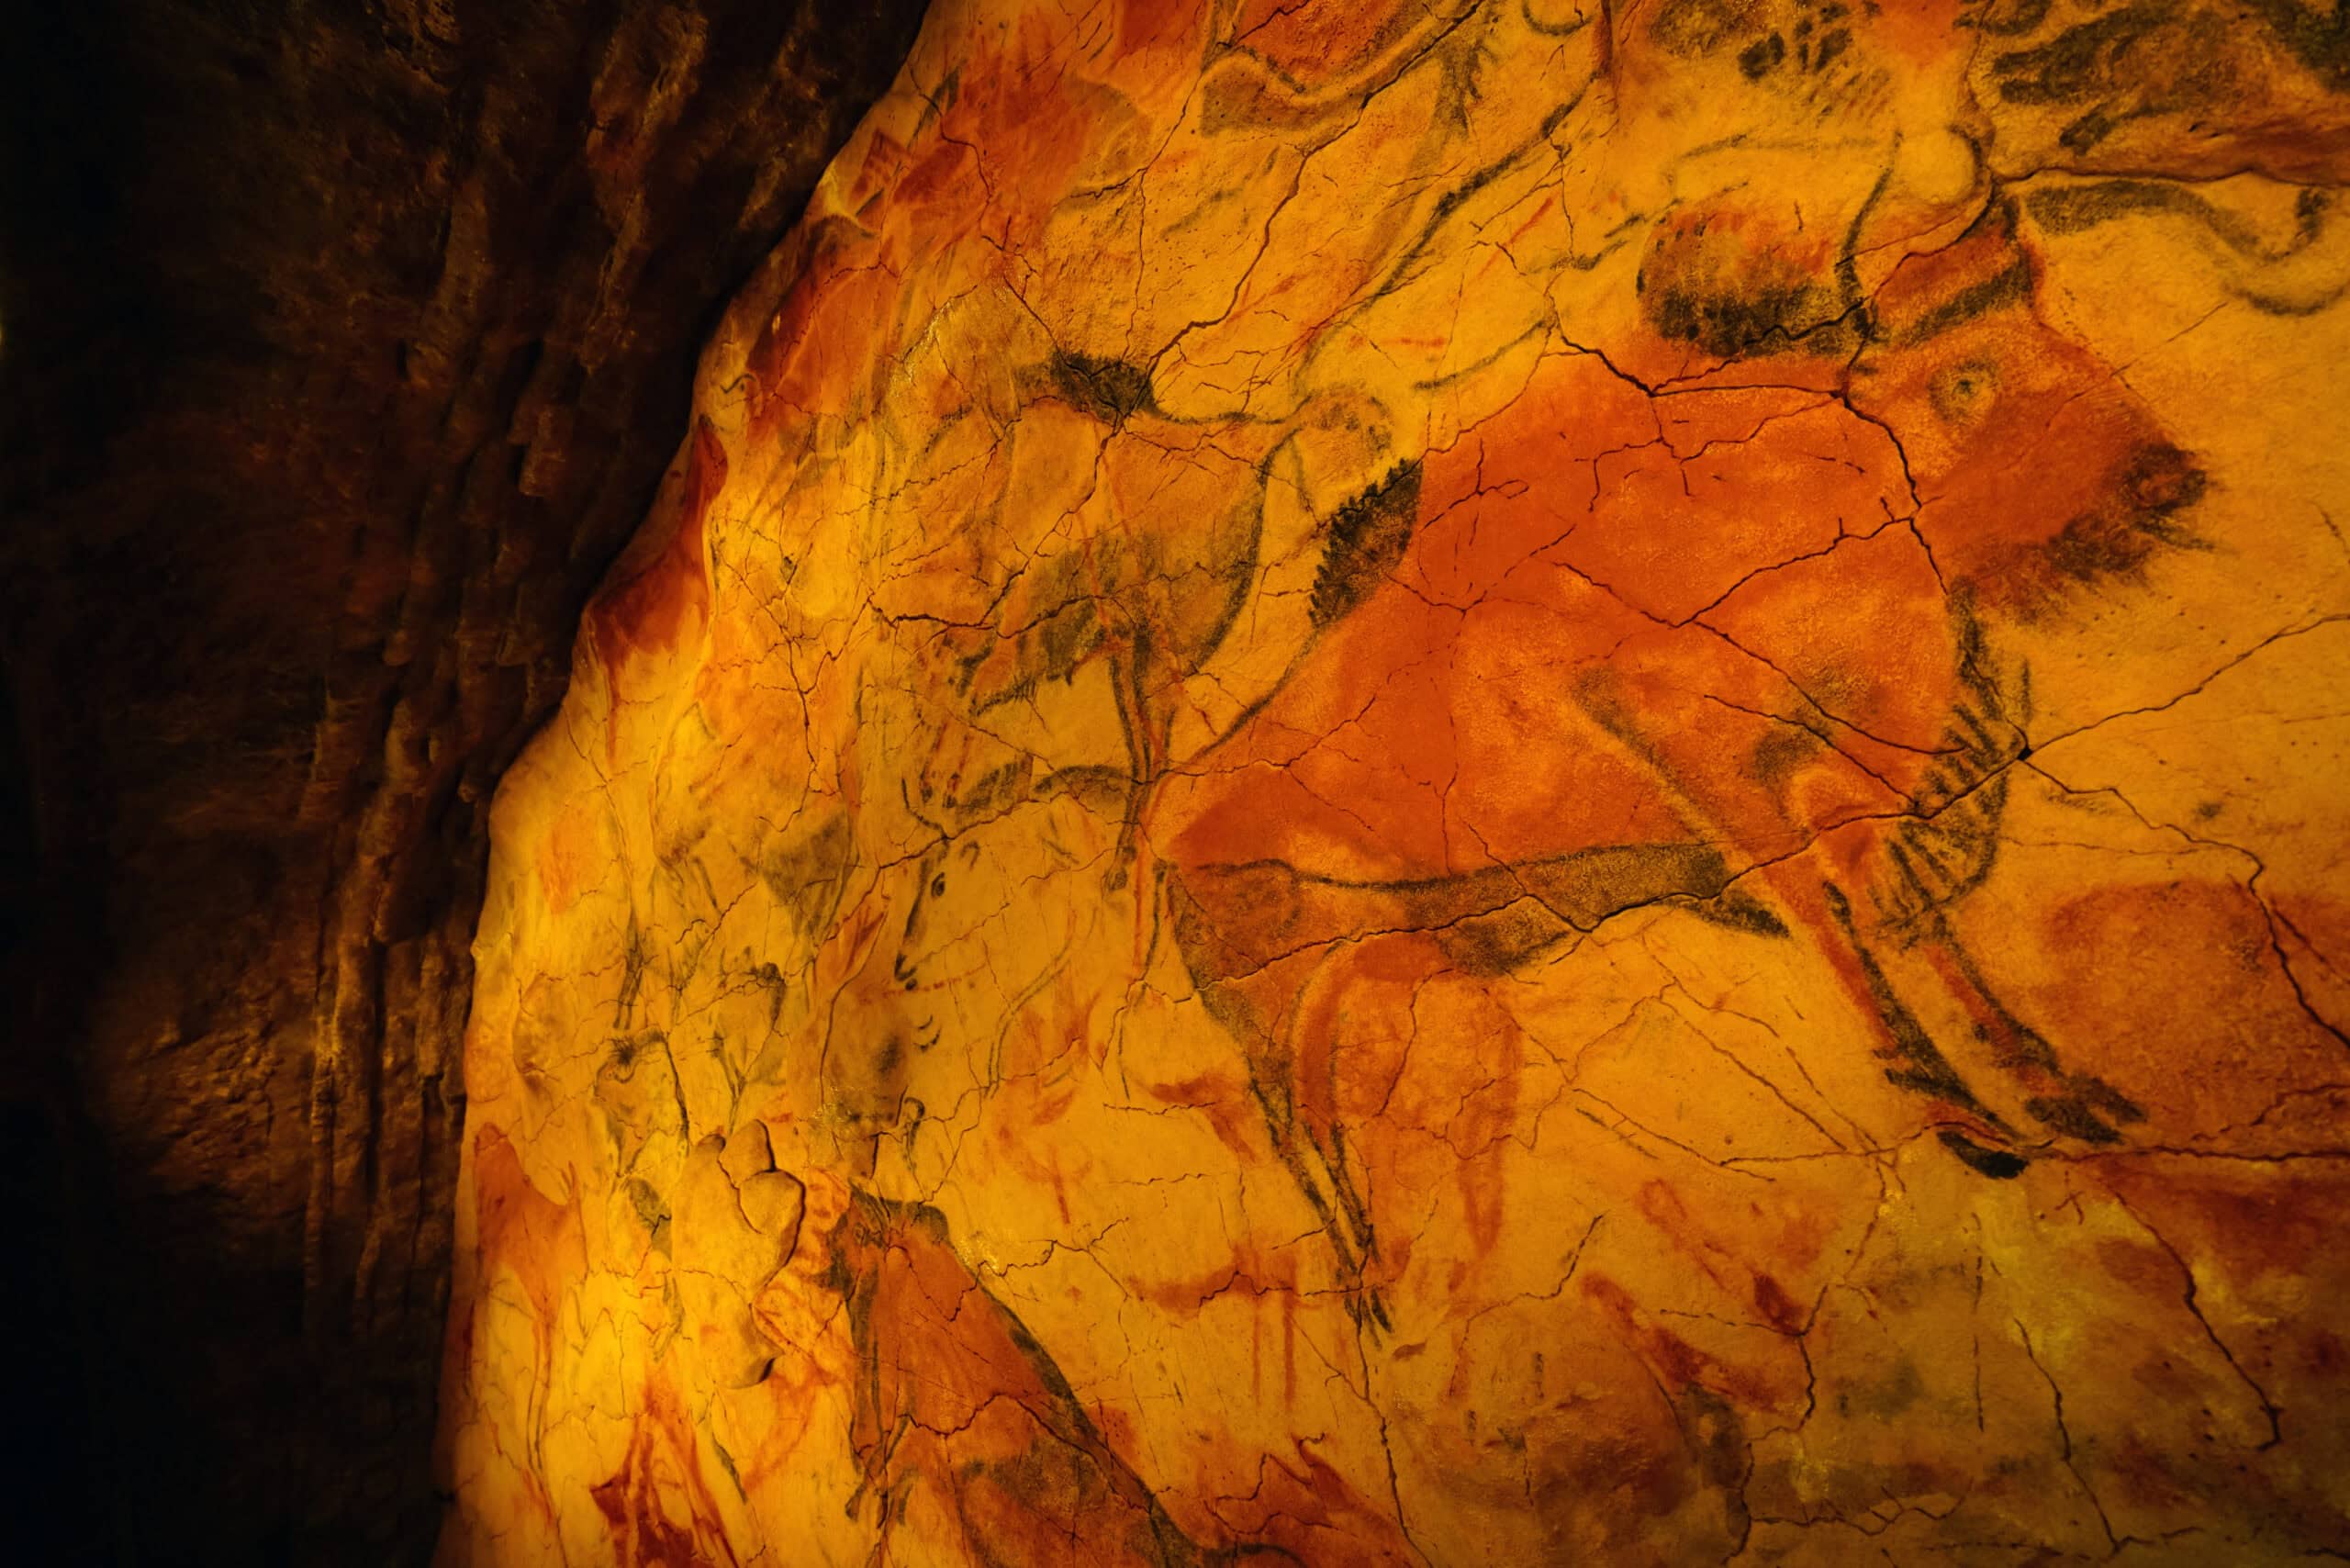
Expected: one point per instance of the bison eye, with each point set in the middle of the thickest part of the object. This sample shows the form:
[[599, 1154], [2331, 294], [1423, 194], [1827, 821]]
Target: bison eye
[[939, 886], [1963, 394]]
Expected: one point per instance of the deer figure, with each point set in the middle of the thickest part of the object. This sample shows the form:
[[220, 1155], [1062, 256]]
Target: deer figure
[[1136, 557]]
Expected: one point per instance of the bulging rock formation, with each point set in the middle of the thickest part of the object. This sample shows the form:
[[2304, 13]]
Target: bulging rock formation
[[1490, 783], [1421, 783], [1485, 783]]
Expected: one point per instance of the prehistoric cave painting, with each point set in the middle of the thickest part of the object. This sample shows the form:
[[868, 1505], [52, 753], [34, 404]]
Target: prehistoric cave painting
[[2283, 266], [1783, 786], [1504, 781], [1155, 558], [959, 1410], [2106, 64]]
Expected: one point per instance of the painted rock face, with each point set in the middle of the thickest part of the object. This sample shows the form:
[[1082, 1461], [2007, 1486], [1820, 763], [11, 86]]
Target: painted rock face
[[1502, 784]]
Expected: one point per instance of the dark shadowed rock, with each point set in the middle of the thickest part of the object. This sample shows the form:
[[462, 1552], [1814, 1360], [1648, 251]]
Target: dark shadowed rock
[[340, 347]]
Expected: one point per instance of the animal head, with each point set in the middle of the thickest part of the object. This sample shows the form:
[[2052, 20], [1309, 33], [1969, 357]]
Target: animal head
[[2041, 476]]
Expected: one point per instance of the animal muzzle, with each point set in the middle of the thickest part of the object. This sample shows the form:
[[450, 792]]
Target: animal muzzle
[[2160, 479]]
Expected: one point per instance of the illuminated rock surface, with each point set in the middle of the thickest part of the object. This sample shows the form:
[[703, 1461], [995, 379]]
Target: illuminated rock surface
[[1510, 785]]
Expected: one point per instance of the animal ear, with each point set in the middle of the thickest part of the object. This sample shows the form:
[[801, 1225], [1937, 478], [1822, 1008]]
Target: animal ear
[[970, 851]]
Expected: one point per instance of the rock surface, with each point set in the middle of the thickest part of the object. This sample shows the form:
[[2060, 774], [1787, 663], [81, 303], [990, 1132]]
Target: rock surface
[[340, 348], [1460, 783]]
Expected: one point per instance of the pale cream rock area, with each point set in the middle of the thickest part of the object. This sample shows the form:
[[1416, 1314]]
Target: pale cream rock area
[[1462, 784]]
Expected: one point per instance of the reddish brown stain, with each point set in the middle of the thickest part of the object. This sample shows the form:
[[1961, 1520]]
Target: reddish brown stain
[[1778, 1309], [1680, 1364], [1222, 1098], [2248, 1220], [2225, 1061], [662, 1470], [956, 1396], [521, 1233], [522, 1230], [1302, 1507], [655, 603], [1314, 41]]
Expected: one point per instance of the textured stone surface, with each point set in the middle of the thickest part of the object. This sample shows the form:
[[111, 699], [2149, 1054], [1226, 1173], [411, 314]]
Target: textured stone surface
[[1510, 783], [340, 348]]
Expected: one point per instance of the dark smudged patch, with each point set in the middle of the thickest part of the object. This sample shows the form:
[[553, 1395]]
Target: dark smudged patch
[[1366, 539], [1112, 390], [1720, 291], [2116, 540], [1692, 28], [1997, 1164]]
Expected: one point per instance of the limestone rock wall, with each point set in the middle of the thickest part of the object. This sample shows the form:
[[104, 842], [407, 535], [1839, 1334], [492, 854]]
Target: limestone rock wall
[[1460, 783]]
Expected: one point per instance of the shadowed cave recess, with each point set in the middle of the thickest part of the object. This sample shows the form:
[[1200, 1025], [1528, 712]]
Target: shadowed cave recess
[[1328, 782]]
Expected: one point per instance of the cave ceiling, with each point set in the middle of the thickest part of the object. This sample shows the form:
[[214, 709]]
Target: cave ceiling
[[1333, 782], [1462, 783]]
